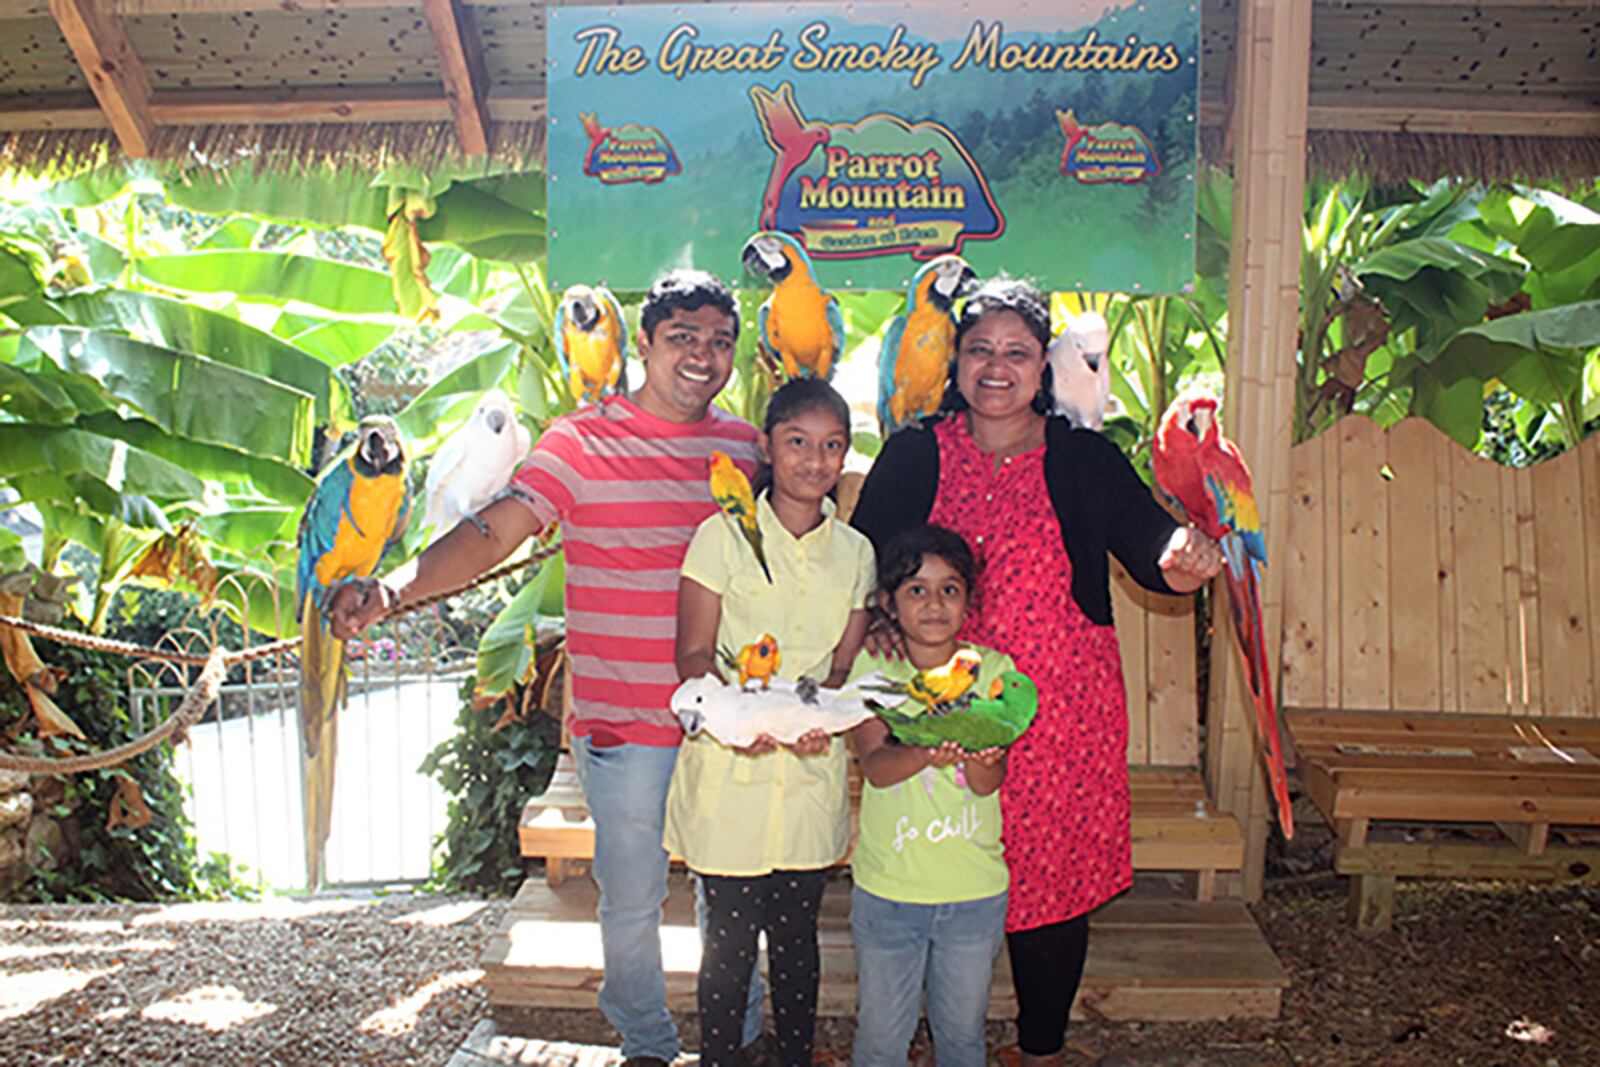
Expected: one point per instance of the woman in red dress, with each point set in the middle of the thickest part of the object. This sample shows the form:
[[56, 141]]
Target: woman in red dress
[[1041, 504]]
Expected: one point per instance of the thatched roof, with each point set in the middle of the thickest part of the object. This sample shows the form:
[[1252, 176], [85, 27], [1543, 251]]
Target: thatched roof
[[1490, 89]]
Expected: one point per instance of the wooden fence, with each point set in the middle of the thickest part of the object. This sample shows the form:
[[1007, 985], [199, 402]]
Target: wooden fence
[[1424, 578], [1157, 637]]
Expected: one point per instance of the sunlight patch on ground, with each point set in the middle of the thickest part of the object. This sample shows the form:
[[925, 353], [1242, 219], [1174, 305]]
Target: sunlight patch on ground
[[246, 911], [12, 953], [21, 993], [402, 1017], [86, 927], [111, 1015], [443, 915], [213, 1007]]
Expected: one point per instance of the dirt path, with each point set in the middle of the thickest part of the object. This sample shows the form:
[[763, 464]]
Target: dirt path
[[1470, 975]]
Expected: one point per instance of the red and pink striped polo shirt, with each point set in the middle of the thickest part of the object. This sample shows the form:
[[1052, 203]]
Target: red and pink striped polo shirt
[[629, 489]]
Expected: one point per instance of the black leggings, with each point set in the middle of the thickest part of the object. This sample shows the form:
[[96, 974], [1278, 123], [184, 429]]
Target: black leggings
[[1046, 967], [784, 906]]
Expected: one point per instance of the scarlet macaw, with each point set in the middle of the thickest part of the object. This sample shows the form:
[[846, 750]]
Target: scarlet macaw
[[358, 509], [915, 358], [800, 324], [1206, 474], [1080, 369], [731, 491], [474, 464], [591, 342]]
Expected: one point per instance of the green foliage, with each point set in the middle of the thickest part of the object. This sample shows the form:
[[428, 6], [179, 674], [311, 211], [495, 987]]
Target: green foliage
[[154, 862], [489, 776]]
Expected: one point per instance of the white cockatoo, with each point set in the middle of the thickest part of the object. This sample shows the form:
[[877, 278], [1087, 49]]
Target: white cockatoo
[[1081, 365], [784, 711], [474, 464]]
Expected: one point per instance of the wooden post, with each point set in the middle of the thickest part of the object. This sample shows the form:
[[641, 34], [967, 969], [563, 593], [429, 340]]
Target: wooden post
[[455, 39], [111, 68], [1268, 126]]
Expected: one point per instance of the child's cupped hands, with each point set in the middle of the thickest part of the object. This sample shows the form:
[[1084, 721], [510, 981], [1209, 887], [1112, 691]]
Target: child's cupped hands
[[811, 743]]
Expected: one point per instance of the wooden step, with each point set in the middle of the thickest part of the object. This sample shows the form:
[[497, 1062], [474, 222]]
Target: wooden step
[[1175, 826], [1151, 957]]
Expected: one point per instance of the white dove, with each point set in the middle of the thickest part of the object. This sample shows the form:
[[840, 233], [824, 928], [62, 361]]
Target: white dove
[[474, 464], [785, 711], [1081, 366]]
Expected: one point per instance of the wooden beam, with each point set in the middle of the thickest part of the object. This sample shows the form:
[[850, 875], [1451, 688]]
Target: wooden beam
[[401, 103], [455, 39], [1378, 113], [113, 70], [53, 111]]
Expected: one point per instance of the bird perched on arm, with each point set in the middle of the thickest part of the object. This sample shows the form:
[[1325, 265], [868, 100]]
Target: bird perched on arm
[[731, 490], [800, 324], [1080, 367], [1207, 476], [591, 342], [358, 509], [474, 464], [915, 358], [941, 685]]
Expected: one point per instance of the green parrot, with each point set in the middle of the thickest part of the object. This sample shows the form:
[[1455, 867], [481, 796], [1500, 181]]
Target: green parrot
[[972, 723]]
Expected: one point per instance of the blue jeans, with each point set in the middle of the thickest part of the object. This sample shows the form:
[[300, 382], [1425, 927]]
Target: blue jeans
[[625, 787], [949, 949]]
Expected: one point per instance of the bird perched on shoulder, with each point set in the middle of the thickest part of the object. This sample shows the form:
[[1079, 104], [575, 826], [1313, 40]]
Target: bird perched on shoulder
[[759, 659], [1206, 475], [1080, 367], [974, 724], [800, 324], [474, 464], [915, 359], [591, 342], [731, 490], [358, 509]]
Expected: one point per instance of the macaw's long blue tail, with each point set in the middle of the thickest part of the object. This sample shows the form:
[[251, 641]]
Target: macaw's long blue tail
[[322, 693]]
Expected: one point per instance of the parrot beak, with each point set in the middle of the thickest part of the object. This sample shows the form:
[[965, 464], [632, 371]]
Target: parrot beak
[[692, 721], [1200, 419], [585, 314], [763, 256], [496, 420]]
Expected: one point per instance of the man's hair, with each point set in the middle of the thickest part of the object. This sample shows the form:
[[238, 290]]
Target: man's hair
[[685, 290]]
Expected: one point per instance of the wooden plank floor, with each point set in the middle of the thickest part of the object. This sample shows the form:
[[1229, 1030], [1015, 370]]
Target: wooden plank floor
[[1151, 957]]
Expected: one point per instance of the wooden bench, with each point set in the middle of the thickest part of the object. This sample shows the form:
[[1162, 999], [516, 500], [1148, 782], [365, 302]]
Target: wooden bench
[[1175, 827], [1517, 797]]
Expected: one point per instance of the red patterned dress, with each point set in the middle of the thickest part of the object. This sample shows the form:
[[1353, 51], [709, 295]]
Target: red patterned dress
[[1064, 804]]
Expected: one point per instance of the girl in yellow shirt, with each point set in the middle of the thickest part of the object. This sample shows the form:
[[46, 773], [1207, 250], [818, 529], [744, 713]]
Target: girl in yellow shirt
[[761, 825]]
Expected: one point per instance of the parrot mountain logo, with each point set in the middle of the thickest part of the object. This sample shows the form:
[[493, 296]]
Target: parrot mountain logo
[[876, 186], [1109, 152], [627, 153]]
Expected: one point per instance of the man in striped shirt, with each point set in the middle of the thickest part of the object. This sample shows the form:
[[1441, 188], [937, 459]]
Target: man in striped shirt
[[627, 480]]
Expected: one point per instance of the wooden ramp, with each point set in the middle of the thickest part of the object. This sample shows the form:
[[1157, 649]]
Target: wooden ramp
[[1151, 957]]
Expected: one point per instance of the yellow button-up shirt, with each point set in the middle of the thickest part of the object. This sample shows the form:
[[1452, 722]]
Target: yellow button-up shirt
[[744, 816]]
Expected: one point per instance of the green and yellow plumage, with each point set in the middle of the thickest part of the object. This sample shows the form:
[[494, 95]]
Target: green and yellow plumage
[[732, 493], [971, 722]]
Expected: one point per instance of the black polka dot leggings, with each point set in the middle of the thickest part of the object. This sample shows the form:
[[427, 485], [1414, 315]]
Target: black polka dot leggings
[[784, 906]]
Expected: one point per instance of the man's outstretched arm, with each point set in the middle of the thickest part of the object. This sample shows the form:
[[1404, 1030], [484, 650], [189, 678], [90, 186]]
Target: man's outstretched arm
[[454, 560]]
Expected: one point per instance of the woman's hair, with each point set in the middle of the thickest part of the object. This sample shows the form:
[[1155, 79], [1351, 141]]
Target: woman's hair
[[685, 290], [1023, 300], [902, 556], [792, 399]]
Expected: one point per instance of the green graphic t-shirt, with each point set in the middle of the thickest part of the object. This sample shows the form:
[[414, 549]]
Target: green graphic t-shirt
[[930, 839]]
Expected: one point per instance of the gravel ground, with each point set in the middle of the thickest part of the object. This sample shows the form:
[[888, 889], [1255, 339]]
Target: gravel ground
[[1473, 975], [331, 980]]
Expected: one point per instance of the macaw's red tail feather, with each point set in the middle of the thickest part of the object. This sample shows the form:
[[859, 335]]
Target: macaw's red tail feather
[[1244, 608]]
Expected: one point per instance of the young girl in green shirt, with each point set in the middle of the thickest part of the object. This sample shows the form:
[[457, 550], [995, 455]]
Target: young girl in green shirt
[[928, 908]]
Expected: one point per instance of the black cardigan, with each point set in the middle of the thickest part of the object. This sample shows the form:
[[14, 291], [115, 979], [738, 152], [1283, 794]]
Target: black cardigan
[[1099, 501]]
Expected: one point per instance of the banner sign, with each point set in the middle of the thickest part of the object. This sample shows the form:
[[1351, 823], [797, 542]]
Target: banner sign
[[1055, 142]]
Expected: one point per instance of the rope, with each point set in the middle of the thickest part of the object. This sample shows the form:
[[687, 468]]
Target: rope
[[215, 668]]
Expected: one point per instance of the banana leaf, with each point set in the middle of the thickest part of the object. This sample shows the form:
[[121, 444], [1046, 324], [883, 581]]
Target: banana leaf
[[452, 395], [504, 651], [27, 448], [274, 277], [184, 394], [185, 327], [277, 481], [1539, 355]]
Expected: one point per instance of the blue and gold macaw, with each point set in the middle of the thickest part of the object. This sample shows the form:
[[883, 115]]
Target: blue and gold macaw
[[358, 509], [915, 359], [799, 325], [591, 343]]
